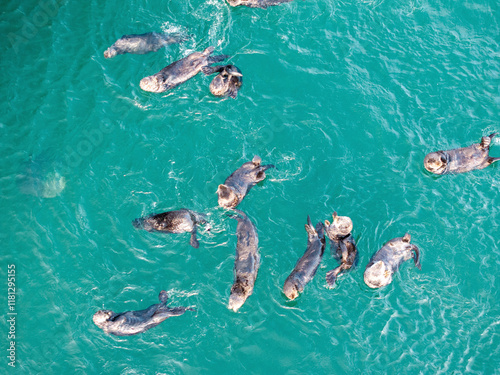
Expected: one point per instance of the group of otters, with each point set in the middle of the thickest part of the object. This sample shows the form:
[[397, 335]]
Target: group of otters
[[382, 265], [226, 83], [378, 273]]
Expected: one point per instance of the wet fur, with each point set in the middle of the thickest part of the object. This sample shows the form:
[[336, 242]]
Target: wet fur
[[461, 160], [307, 265], [133, 322], [227, 82], [142, 43], [346, 251], [237, 185], [391, 255], [246, 263], [263, 4], [179, 221], [180, 71]]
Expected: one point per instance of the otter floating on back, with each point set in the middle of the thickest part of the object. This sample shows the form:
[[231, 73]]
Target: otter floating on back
[[461, 160], [227, 82], [385, 262], [237, 185], [180, 71], [339, 233]]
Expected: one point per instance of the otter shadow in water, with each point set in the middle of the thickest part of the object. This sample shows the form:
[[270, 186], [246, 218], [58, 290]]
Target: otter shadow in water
[[133, 322], [40, 179]]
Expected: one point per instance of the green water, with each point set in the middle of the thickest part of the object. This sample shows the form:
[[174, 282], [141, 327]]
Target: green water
[[345, 98]]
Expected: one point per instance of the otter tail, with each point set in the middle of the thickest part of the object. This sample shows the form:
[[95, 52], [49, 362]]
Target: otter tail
[[492, 160]]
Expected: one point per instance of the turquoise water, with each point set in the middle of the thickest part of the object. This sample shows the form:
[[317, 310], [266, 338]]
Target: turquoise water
[[345, 98]]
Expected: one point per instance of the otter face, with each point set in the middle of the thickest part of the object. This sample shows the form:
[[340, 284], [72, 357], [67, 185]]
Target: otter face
[[341, 226], [291, 291], [229, 77], [236, 300], [151, 84], [435, 162], [110, 53], [101, 317], [218, 86], [377, 275], [227, 197]]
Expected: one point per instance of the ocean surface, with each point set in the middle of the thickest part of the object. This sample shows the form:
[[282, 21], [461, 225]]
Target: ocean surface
[[345, 98]]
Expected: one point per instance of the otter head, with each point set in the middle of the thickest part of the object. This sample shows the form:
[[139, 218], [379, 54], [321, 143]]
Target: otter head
[[110, 53], [146, 223], [229, 76], [291, 290], [236, 300], [238, 294], [218, 86], [227, 197], [435, 162], [101, 317], [151, 84], [377, 275], [340, 227]]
